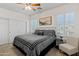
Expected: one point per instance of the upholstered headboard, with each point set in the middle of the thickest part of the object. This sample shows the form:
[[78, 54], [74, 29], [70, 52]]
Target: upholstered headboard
[[45, 32]]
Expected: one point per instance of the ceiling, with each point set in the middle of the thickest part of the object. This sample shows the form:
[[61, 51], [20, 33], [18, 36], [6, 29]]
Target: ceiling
[[17, 8]]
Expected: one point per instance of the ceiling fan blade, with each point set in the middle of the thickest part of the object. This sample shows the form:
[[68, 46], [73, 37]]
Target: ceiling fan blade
[[39, 8], [35, 9], [21, 3], [35, 4]]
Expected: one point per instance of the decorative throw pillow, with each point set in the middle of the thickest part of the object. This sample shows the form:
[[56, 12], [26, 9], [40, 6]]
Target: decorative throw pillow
[[38, 32]]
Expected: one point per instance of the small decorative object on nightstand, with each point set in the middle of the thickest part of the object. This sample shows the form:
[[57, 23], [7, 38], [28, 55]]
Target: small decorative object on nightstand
[[59, 41]]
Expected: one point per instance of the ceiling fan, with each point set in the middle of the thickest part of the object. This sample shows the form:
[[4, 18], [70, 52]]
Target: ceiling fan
[[30, 6]]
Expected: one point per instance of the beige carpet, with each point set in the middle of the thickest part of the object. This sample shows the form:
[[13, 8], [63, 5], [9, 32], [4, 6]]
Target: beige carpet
[[10, 50]]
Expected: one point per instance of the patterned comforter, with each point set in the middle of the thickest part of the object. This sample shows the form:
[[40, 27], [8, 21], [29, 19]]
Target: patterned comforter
[[33, 44]]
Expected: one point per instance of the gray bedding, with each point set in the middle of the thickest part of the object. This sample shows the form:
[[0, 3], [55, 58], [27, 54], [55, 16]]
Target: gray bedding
[[33, 44]]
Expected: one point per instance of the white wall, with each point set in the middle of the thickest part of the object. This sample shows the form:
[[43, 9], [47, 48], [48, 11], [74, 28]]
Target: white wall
[[11, 15], [60, 10], [12, 24]]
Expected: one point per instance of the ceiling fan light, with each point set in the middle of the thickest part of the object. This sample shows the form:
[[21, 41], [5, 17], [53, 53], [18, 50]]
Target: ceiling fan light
[[28, 8]]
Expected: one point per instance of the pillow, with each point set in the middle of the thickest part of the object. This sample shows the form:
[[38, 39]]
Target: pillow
[[38, 32], [49, 32], [45, 32]]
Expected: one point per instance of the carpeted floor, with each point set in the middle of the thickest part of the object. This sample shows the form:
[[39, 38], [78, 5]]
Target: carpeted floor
[[10, 50]]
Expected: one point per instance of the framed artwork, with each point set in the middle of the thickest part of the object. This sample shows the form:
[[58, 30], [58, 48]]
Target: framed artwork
[[45, 21]]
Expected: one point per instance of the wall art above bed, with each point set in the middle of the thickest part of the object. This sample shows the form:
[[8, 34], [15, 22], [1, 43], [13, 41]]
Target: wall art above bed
[[45, 21]]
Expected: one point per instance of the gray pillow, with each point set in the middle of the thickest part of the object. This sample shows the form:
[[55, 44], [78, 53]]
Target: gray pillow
[[39, 32], [49, 32], [45, 32]]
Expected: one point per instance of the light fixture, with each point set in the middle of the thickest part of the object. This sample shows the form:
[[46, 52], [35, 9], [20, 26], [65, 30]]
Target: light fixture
[[31, 6], [28, 8]]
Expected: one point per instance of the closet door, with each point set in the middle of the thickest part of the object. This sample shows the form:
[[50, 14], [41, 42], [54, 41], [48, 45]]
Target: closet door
[[4, 31], [16, 27]]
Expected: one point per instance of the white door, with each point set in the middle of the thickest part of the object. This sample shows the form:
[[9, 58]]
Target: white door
[[16, 27], [3, 31]]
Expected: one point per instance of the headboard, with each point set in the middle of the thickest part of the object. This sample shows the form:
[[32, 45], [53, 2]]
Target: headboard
[[45, 32]]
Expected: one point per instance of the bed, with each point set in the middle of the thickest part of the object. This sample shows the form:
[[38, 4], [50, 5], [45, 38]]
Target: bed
[[34, 44]]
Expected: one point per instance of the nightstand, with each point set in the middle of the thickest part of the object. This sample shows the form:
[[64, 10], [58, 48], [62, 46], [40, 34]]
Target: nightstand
[[58, 41]]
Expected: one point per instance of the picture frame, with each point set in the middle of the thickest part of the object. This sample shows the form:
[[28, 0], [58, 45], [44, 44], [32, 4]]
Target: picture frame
[[45, 21]]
